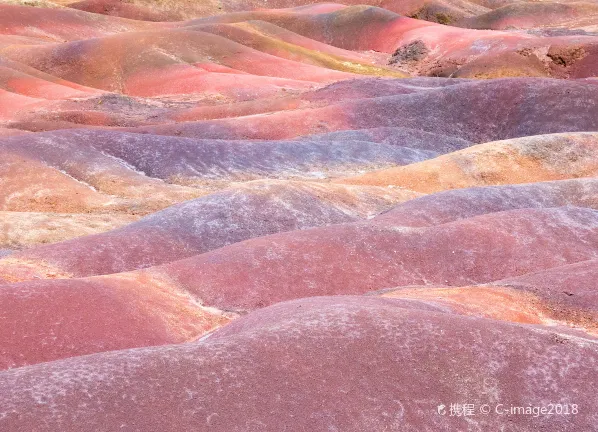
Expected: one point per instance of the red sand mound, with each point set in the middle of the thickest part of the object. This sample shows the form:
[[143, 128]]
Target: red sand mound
[[294, 365], [47, 320], [533, 15], [569, 286], [194, 227], [472, 110], [357, 258], [137, 62], [122, 9], [59, 25]]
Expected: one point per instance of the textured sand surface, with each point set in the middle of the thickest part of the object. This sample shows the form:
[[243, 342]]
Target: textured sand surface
[[240, 215]]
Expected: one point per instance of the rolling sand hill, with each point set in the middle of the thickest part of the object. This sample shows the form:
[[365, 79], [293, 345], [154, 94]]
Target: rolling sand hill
[[243, 216]]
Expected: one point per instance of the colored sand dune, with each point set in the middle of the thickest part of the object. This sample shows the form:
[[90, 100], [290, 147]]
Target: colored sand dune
[[246, 216]]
